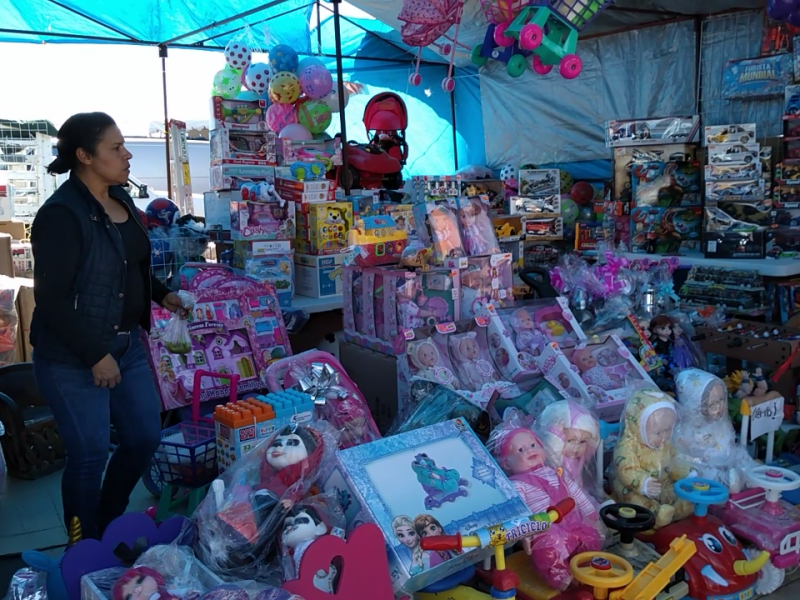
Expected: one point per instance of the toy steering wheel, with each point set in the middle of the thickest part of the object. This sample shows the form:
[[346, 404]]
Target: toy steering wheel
[[628, 519], [601, 570], [774, 480], [701, 492]]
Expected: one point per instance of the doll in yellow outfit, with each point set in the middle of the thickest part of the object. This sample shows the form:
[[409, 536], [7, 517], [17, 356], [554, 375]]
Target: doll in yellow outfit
[[645, 462]]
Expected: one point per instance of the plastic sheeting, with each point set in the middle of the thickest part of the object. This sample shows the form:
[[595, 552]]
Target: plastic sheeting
[[547, 119], [726, 38]]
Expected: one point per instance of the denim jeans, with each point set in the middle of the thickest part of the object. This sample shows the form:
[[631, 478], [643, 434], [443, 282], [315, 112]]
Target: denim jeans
[[83, 413]]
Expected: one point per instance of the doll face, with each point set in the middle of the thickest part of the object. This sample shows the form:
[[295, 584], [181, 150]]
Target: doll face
[[576, 442], [664, 331], [406, 536], [286, 450], [495, 340], [659, 427], [431, 529], [427, 355], [467, 216], [645, 327], [301, 528], [584, 361], [468, 348], [139, 588], [524, 319], [714, 405], [440, 222], [524, 453], [677, 330]]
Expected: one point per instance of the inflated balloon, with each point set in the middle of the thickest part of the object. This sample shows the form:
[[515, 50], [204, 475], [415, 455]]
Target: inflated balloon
[[794, 18], [279, 116], [307, 62], [257, 78], [284, 88], [227, 83], [283, 58], [248, 96], [314, 115], [780, 10], [582, 192], [296, 133], [237, 55], [569, 210], [332, 99], [316, 82]]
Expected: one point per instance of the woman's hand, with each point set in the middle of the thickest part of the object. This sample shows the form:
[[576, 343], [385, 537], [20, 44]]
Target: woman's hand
[[173, 303], [106, 372]]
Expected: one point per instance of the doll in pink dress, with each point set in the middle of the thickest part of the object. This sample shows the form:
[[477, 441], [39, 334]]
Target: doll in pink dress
[[475, 370], [520, 453], [592, 373], [479, 236]]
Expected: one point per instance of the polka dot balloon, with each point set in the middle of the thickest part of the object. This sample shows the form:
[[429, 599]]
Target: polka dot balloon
[[257, 78], [237, 55]]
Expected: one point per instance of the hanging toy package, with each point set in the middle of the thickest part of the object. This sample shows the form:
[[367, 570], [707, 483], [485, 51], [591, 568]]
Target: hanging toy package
[[176, 336]]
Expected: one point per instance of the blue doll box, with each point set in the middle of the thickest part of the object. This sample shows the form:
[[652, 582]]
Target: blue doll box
[[431, 481]]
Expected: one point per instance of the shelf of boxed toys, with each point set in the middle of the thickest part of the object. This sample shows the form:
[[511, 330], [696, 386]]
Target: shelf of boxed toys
[[781, 267]]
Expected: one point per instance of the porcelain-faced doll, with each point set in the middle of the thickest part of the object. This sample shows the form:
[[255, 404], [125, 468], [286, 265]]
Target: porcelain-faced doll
[[140, 583], [475, 370], [425, 358], [646, 464], [571, 434], [302, 526], [526, 337], [521, 455], [592, 373], [705, 434]]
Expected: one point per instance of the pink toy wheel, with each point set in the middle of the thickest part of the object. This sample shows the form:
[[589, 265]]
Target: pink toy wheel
[[539, 67], [448, 84], [447, 49], [415, 79], [571, 66], [531, 37], [500, 37]]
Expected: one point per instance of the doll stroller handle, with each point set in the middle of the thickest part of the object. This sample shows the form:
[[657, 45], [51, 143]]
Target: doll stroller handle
[[538, 279]]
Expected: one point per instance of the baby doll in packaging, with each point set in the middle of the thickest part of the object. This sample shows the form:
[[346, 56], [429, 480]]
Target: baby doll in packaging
[[646, 464], [592, 373], [705, 433], [473, 368], [479, 235], [521, 454], [571, 434], [527, 338], [427, 363]]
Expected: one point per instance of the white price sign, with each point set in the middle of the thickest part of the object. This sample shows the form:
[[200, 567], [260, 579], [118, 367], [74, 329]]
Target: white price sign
[[766, 417]]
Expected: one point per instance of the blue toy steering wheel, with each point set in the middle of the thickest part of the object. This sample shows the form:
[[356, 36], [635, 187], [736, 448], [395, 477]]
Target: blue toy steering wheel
[[701, 492]]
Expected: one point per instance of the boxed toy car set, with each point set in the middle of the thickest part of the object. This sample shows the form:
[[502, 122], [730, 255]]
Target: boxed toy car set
[[646, 132]]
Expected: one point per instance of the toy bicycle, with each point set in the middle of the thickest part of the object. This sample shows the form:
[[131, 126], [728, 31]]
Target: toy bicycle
[[504, 582], [720, 569], [759, 516]]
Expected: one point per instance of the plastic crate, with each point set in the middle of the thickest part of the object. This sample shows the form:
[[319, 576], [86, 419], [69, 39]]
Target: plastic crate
[[579, 13]]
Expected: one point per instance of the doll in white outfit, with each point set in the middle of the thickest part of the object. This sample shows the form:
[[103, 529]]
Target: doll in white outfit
[[475, 371], [592, 373], [425, 359], [705, 433]]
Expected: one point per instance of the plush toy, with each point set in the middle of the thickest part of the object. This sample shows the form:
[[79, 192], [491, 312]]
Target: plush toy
[[705, 434], [646, 464], [521, 454]]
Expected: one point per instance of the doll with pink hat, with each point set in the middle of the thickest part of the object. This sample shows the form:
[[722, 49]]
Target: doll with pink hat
[[141, 583], [521, 454]]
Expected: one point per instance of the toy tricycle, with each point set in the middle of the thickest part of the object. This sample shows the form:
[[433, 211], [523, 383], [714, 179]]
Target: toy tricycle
[[514, 57], [759, 516], [551, 30], [720, 569]]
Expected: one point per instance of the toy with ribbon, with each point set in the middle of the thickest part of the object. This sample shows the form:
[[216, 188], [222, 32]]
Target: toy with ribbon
[[337, 398]]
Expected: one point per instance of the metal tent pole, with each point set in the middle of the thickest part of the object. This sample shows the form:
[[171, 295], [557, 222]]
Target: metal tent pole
[[337, 32], [162, 52]]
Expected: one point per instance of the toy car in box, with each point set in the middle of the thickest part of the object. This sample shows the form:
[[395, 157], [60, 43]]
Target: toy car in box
[[493, 188], [733, 154], [666, 184], [730, 134], [528, 205], [791, 100], [735, 190], [787, 174], [747, 212], [550, 228], [726, 237], [653, 131], [539, 182], [508, 228], [732, 172], [783, 242], [786, 196]]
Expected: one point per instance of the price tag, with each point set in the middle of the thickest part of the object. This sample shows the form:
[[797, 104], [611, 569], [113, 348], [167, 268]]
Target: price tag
[[766, 417]]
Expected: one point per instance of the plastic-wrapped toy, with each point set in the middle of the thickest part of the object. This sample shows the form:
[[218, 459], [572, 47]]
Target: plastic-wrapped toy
[[440, 230], [476, 226], [469, 360], [313, 517], [527, 338], [661, 336], [646, 464], [521, 454], [240, 518], [705, 434], [685, 353], [593, 373], [429, 364], [182, 574], [571, 434], [141, 583]]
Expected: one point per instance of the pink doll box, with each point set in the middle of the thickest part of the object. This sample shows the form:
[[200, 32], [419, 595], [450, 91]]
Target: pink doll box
[[437, 228], [477, 230], [597, 375], [484, 280], [436, 480], [363, 303], [236, 327], [242, 148], [262, 220]]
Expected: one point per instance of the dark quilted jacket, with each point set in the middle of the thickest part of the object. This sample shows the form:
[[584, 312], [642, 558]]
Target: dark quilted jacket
[[100, 283]]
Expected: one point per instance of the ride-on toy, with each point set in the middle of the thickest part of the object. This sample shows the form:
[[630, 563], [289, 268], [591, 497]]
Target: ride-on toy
[[759, 516], [719, 570], [514, 57], [551, 32]]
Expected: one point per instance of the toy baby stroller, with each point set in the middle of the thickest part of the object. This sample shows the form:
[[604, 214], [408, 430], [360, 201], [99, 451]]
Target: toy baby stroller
[[386, 120], [496, 45], [424, 22]]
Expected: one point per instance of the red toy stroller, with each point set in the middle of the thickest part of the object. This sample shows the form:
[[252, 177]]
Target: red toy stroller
[[386, 119], [424, 22]]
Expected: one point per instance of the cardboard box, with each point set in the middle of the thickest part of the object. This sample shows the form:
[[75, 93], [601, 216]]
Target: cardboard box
[[244, 250], [371, 371], [242, 147], [262, 221], [217, 208], [6, 259], [653, 131], [322, 227], [302, 197], [16, 229], [6, 203], [735, 244], [318, 276], [22, 254], [314, 185], [238, 115], [231, 177], [443, 470]]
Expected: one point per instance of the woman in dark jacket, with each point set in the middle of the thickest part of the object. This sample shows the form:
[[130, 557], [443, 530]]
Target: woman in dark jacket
[[93, 289]]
